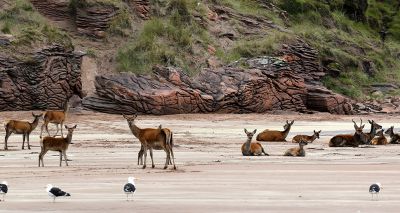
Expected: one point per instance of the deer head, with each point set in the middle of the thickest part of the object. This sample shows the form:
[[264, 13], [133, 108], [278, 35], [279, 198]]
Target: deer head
[[250, 134], [288, 125], [317, 133]]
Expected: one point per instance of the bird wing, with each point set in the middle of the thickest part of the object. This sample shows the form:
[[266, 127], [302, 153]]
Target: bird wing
[[57, 192], [374, 188], [129, 187]]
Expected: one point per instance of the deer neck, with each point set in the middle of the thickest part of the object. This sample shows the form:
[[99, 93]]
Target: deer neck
[[247, 145], [69, 137], [373, 130], [134, 129], [313, 137], [65, 109], [286, 132], [34, 123]]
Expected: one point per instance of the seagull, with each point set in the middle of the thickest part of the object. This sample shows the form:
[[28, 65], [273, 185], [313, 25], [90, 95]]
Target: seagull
[[374, 189], [130, 188], [56, 192], [3, 189]]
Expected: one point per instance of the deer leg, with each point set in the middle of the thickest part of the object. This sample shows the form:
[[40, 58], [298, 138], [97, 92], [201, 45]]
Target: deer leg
[[57, 130], [145, 155], [173, 158], [62, 135], [151, 156], [27, 139], [167, 158], [65, 157], [47, 129], [41, 155], [23, 140], [60, 157], [140, 156], [8, 133]]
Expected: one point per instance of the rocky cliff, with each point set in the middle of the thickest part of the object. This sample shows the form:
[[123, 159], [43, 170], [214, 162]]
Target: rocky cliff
[[44, 79]]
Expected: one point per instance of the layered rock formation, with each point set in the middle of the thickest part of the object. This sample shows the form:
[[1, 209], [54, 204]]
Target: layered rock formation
[[290, 82], [44, 80]]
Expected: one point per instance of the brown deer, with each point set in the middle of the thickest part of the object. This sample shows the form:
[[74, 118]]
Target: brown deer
[[140, 154], [394, 137], [274, 135], [56, 144], [373, 132], [251, 149], [21, 127], [348, 140], [309, 139], [56, 117], [380, 140], [297, 151], [151, 138]]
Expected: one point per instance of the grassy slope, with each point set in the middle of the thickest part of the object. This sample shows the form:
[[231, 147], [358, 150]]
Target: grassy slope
[[175, 36]]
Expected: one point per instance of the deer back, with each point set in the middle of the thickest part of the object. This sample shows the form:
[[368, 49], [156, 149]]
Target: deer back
[[271, 135], [54, 144], [54, 116], [152, 136], [298, 138], [18, 127]]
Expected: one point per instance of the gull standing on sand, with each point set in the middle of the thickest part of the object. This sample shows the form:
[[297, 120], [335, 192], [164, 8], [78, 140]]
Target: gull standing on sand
[[55, 192], [130, 187], [3, 189], [375, 189]]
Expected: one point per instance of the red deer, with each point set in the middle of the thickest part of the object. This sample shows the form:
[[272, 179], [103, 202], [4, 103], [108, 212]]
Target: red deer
[[56, 117], [56, 144], [151, 138], [251, 149], [297, 151], [309, 139], [348, 140], [21, 127], [380, 140], [140, 154], [372, 133], [273, 135], [394, 137]]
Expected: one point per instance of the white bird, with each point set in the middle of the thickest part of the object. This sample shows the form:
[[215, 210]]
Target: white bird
[[130, 187], [55, 192], [375, 189], [3, 189]]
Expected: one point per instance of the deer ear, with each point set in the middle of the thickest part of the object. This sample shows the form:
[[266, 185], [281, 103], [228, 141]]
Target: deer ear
[[292, 122], [66, 126], [362, 127], [124, 116], [75, 126], [245, 130], [135, 116], [254, 132]]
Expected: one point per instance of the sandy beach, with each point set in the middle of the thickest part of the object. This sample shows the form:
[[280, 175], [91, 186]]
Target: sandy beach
[[212, 174]]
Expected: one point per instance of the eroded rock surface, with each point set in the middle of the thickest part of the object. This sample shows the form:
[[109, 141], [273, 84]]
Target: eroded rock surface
[[44, 80]]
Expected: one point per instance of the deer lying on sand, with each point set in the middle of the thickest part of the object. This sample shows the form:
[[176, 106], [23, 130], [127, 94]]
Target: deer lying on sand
[[373, 132], [151, 138], [309, 139], [56, 117], [394, 137], [56, 144], [21, 127], [274, 135], [380, 140], [348, 140], [297, 151], [251, 149]]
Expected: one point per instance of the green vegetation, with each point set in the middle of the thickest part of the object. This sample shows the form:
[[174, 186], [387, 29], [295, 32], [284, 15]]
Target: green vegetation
[[28, 27], [169, 40]]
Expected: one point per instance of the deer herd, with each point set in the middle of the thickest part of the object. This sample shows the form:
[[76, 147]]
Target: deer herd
[[162, 138]]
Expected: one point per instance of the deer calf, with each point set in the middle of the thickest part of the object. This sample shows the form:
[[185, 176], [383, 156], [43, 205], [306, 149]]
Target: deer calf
[[373, 132], [56, 144], [21, 127], [394, 137], [274, 135], [309, 139], [56, 117], [150, 138], [380, 140], [297, 151], [251, 149]]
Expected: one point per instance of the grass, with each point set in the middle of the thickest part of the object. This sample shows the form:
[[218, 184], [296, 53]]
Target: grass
[[168, 40], [29, 28]]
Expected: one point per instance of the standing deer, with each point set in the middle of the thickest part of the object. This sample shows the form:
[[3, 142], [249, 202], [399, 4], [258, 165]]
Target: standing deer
[[151, 138], [372, 133], [56, 117], [309, 139], [380, 140], [21, 127], [394, 137], [56, 144], [251, 149], [348, 140], [274, 135], [141, 152], [297, 151]]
